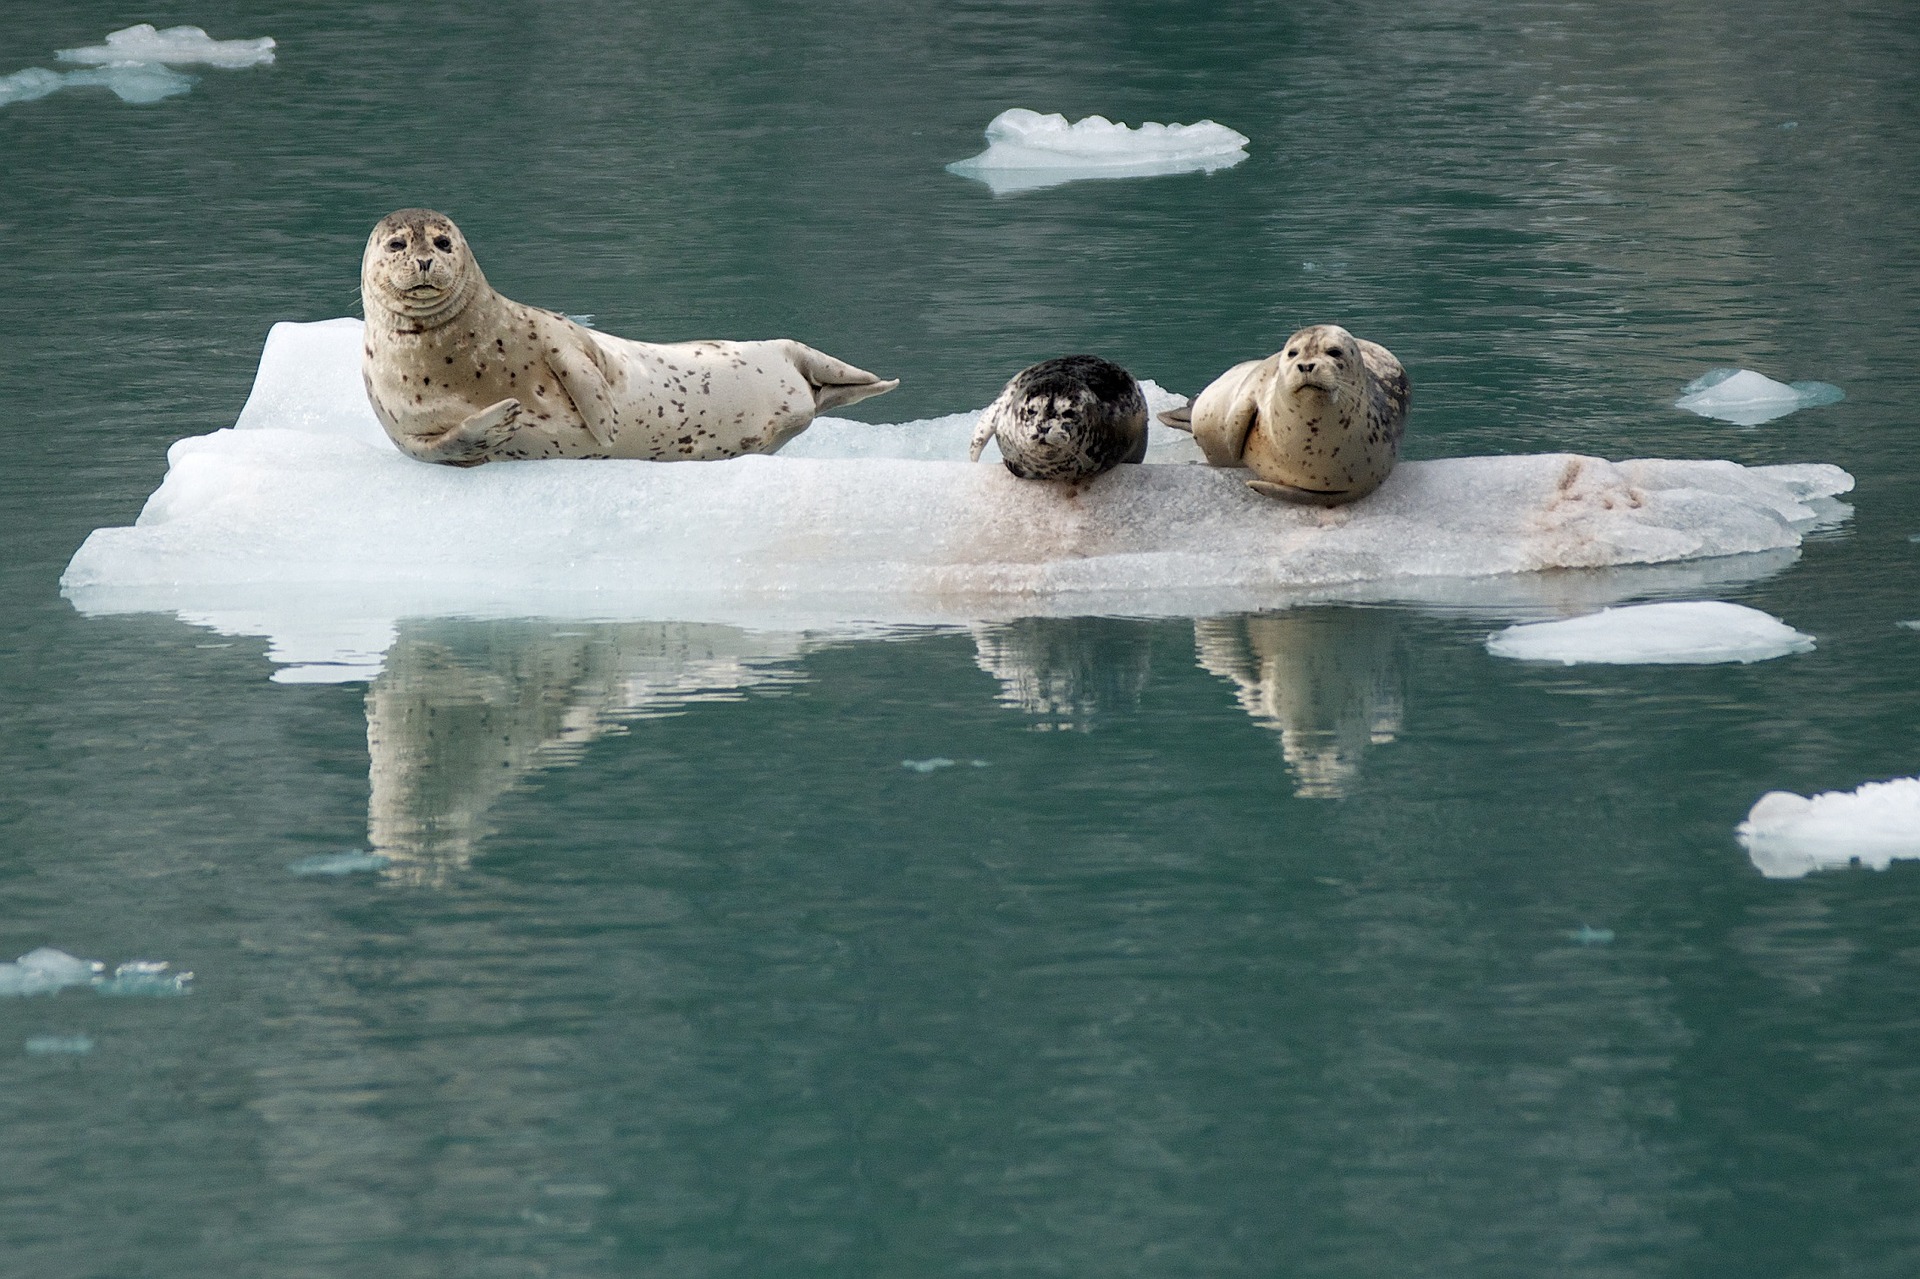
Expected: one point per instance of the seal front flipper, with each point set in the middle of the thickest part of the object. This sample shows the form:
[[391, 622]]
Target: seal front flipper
[[581, 378], [471, 442], [989, 424], [834, 382], [1300, 497]]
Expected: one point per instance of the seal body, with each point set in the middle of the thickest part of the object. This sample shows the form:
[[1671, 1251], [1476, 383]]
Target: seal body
[[461, 375], [1318, 423], [1067, 419]]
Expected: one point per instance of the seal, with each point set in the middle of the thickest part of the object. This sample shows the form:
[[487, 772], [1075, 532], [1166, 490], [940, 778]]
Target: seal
[[1066, 419], [1319, 423], [459, 374]]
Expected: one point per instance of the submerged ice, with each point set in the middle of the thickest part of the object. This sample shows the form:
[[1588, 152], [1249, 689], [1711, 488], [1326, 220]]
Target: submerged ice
[[1746, 398], [1027, 150], [305, 513], [1788, 835], [1691, 632], [135, 83]]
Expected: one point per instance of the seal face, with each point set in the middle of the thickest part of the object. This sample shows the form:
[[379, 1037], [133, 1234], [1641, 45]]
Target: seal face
[[1070, 418], [1318, 423], [459, 374]]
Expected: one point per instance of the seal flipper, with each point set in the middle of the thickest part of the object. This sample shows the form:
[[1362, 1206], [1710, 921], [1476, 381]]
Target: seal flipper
[[581, 378], [471, 442], [1301, 497], [834, 382], [1180, 419]]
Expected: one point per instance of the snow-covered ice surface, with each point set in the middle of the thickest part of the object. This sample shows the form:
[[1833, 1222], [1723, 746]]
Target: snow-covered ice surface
[[304, 524], [136, 63], [1788, 835], [175, 45], [1746, 398], [1683, 632], [1027, 150]]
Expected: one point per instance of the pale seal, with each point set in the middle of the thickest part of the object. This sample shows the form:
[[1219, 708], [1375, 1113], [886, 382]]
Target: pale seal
[[1067, 419], [459, 374], [1319, 423]]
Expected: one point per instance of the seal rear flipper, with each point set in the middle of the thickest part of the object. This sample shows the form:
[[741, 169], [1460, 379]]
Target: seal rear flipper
[[834, 382], [1302, 497], [1180, 419]]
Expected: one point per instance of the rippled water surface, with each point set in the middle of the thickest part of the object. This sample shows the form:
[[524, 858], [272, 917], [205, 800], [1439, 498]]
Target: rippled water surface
[[1311, 942]]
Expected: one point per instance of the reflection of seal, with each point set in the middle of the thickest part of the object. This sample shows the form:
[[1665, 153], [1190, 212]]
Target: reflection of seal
[[1067, 419], [1319, 423], [459, 374]]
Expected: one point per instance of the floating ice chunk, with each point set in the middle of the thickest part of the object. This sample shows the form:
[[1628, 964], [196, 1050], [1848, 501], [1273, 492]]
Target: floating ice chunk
[[42, 971], [175, 45], [346, 863], [305, 512], [59, 1045], [132, 83], [1695, 632], [928, 765], [1788, 835], [1746, 398], [1027, 150], [1586, 935], [144, 977]]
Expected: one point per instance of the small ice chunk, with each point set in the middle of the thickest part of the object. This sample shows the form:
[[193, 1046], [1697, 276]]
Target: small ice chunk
[[43, 971], [1027, 150], [133, 82], [59, 1045], [1788, 835], [927, 765], [1692, 632], [141, 43], [1588, 936], [1746, 398], [345, 863], [144, 977]]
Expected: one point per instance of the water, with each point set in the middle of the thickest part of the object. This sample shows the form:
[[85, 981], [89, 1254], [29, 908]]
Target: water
[[1312, 943]]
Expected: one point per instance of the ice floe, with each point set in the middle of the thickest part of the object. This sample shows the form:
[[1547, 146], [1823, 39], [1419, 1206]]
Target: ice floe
[[1788, 835], [46, 970], [1027, 150], [175, 46], [302, 522], [1746, 398], [59, 1045], [136, 63], [1681, 632]]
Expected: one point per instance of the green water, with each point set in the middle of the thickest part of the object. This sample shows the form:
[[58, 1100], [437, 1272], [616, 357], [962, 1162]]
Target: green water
[[1251, 947]]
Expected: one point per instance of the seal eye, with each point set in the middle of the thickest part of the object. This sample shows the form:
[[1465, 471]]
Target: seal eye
[[1333, 352], [1292, 353], [396, 244], [442, 243]]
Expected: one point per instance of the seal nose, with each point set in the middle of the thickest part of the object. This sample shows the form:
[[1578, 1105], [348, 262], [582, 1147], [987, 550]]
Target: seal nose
[[426, 264], [1308, 366]]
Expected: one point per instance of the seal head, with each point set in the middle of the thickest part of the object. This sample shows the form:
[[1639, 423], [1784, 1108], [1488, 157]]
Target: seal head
[[418, 267], [1070, 418]]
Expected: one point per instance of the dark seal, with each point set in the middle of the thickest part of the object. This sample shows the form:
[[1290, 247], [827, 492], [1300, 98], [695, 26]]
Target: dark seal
[[1067, 419]]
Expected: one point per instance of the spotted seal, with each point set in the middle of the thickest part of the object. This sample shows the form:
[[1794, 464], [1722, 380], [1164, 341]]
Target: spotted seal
[[1067, 419], [459, 374], [1319, 423]]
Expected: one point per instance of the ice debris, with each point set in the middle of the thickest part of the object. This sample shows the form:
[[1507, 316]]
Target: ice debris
[[1746, 398], [345, 863], [136, 64], [1788, 835], [1682, 633], [175, 45], [59, 1045], [1586, 935], [938, 762], [46, 970], [1027, 150]]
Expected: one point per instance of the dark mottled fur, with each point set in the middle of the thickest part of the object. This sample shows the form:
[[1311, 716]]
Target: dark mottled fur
[[1070, 418]]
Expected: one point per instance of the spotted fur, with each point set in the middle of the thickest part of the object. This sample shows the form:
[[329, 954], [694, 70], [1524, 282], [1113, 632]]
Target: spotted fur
[[460, 375], [1070, 418]]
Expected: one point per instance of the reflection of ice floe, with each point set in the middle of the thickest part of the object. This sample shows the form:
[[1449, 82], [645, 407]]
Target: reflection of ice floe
[[304, 508], [465, 711], [139, 84], [1689, 632], [1328, 680], [1027, 150], [335, 865], [1746, 398], [46, 970], [1789, 835], [1066, 671], [175, 45]]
